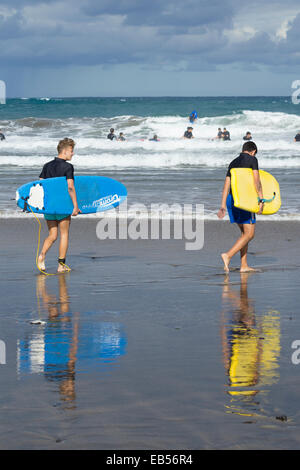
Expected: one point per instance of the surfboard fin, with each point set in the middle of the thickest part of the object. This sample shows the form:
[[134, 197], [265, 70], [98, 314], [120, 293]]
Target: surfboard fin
[[25, 209]]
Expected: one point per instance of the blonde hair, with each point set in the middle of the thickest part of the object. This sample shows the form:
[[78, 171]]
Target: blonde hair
[[66, 142]]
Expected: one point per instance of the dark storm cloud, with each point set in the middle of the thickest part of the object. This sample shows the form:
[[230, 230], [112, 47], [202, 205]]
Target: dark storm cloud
[[167, 12], [11, 27], [293, 36], [190, 34]]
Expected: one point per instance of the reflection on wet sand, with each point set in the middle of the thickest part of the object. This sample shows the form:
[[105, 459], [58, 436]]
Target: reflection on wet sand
[[65, 345], [251, 349]]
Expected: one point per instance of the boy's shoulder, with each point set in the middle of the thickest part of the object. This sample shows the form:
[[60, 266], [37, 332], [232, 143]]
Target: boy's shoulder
[[62, 162], [235, 160]]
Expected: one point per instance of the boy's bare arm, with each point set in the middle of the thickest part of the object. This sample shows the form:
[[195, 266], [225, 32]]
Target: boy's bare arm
[[258, 187], [72, 192], [226, 188]]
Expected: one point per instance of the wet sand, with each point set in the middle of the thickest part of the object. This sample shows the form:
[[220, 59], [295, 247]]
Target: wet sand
[[145, 345]]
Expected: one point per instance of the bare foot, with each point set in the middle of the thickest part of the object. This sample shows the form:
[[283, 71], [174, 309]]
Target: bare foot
[[41, 262], [63, 268], [226, 261], [247, 269]]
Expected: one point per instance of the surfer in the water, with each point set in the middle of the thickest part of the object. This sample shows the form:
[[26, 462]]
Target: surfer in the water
[[245, 220], [297, 137], [121, 137], [248, 136], [60, 166], [226, 134], [193, 116], [188, 133], [111, 135], [154, 138]]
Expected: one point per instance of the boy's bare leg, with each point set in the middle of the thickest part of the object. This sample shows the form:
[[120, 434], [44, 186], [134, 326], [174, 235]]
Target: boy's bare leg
[[247, 234], [52, 227], [64, 227], [244, 263]]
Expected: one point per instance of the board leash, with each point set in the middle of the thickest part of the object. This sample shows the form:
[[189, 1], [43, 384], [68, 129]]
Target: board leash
[[267, 200], [38, 249]]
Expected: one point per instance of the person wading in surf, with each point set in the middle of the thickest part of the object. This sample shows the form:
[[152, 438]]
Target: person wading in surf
[[245, 220], [60, 166]]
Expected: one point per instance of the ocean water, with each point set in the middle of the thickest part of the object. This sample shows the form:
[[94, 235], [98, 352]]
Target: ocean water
[[170, 171]]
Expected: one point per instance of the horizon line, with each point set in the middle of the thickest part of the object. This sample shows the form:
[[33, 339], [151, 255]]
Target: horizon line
[[152, 96]]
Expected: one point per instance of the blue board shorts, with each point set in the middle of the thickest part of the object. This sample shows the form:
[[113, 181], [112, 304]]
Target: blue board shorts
[[56, 216], [239, 216]]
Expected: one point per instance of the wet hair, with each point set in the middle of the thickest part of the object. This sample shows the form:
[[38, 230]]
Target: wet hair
[[64, 143], [249, 147], [112, 130]]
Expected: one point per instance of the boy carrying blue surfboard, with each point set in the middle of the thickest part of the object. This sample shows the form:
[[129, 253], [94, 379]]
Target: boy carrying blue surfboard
[[245, 220], [58, 167]]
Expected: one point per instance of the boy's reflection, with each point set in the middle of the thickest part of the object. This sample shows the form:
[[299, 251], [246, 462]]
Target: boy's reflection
[[61, 338], [65, 344], [251, 346]]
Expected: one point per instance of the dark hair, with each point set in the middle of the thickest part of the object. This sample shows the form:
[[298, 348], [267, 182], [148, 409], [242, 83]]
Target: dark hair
[[112, 129], [64, 143], [249, 147]]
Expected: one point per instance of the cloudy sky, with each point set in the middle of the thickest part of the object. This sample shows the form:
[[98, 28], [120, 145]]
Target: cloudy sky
[[149, 47]]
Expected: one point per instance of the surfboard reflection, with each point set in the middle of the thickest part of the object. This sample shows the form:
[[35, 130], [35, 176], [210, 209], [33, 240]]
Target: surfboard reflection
[[251, 349], [67, 345]]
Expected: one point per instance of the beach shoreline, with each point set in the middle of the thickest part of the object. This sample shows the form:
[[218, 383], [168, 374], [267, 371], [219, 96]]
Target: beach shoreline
[[127, 350]]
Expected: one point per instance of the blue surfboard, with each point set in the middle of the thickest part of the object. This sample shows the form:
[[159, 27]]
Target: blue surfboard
[[51, 196]]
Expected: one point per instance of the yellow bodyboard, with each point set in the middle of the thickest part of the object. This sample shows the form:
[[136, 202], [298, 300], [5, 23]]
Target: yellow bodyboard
[[245, 195]]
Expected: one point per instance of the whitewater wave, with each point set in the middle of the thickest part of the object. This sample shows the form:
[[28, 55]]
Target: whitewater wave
[[148, 160], [31, 142], [279, 217], [169, 126]]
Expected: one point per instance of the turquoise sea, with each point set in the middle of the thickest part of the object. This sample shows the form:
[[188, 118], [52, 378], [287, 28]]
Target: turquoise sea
[[145, 344], [170, 171]]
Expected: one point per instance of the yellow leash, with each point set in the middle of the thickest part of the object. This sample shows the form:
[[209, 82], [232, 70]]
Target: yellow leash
[[38, 250]]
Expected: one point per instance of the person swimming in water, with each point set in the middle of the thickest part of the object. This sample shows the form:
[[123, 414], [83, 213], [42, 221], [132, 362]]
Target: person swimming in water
[[297, 137], [154, 138], [193, 116], [2, 136], [219, 135], [244, 219], [226, 134], [188, 133], [121, 137], [111, 135], [248, 136]]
